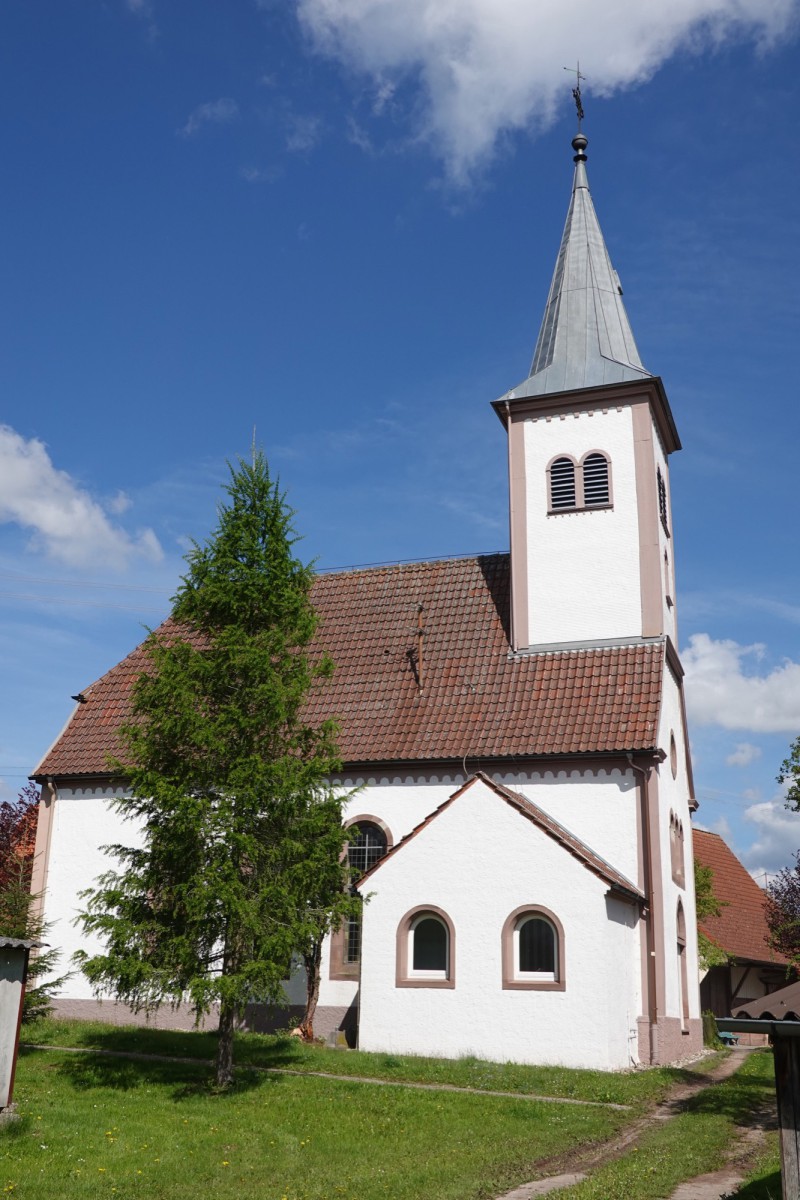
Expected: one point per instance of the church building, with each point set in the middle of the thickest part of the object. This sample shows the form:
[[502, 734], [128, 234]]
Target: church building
[[515, 725]]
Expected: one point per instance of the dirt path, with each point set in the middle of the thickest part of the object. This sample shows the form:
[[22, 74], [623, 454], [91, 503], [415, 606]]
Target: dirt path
[[574, 1168]]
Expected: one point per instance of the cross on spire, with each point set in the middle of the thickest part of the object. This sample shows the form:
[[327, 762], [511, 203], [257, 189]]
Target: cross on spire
[[576, 91]]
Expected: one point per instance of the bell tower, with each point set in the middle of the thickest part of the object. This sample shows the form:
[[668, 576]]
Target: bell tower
[[590, 432]]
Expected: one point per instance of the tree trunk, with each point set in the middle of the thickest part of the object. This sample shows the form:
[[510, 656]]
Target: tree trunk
[[227, 1024], [312, 962]]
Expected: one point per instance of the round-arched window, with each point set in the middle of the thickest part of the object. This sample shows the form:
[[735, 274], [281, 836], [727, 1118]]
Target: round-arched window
[[536, 947], [366, 847], [429, 945]]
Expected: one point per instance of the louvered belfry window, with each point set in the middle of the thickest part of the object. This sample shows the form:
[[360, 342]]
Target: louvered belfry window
[[562, 484], [662, 498], [595, 480]]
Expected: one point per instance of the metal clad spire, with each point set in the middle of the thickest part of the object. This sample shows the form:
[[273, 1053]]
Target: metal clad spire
[[585, 338]]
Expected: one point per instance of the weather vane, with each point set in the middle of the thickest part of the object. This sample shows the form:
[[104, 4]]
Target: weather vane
[[576, 91]]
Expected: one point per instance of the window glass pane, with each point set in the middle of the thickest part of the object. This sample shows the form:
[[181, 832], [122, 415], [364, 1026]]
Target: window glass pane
[[595, 479], [364, 850], [537, 946], [430, 945], [352, 940], [562, 483]]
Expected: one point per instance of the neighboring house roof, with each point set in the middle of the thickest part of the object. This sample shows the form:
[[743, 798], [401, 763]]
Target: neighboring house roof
[[741, 928], [618, 882], [477, 700], [782, 1005]]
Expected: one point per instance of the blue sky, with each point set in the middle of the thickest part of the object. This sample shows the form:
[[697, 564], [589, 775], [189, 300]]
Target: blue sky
[[336, 220]]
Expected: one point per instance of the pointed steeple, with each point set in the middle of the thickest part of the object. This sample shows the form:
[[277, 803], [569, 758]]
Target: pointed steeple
[[585, 339]]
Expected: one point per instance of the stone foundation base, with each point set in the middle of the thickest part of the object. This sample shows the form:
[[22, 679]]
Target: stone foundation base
[[671, 1041]]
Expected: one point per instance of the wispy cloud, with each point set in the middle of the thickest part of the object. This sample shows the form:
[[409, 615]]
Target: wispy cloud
[[144, 10], [482, 69], [251, 174], [720, 690], [66, 523], [743, 754], [303, 132], [213, 112]]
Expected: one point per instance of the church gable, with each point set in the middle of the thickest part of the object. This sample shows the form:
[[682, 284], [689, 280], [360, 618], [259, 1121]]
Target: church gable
[[488, 789]]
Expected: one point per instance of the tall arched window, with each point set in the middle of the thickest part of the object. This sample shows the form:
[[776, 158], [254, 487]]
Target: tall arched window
[[369, 841], [683, 976], [533, 950]]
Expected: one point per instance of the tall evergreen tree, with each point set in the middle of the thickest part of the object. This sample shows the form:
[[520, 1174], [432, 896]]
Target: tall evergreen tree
[[240, 867]]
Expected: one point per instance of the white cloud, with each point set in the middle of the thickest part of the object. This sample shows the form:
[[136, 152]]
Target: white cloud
[[67, 524], [743, 754], [777, 838], [719, 690], [214, 112], [482, 68], [302, 133]]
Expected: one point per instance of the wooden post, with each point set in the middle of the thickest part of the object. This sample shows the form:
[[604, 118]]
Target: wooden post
[[787, 1086]]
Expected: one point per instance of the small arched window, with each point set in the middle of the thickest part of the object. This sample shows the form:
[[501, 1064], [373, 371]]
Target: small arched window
[[536, 947], [562, 484], [533, 950], [595, 480], [426, 949]]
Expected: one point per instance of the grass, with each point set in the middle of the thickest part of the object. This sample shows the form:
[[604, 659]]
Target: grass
[[637, 1088], [96, 1127], [693, 1143], [764, 1181]]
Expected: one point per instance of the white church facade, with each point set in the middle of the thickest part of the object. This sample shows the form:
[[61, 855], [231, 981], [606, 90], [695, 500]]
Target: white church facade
[[516, 728]]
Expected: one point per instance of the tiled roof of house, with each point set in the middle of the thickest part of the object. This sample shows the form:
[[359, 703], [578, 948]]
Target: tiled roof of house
[[741, 928], [573, 845], [476, 700]]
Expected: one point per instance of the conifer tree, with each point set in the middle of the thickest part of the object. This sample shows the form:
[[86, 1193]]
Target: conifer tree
[[240, 868]]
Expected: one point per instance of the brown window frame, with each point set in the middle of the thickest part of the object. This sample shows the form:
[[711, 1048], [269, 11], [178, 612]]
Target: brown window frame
[[512, 980], [580, 504], [405, 976], [339, 967]]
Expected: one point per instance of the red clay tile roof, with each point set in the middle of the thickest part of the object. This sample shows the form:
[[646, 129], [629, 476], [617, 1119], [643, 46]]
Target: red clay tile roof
[[477, 700], [741, 928], [618, 882]]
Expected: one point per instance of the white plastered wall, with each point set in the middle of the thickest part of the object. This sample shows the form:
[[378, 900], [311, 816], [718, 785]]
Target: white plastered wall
[[673, 795], [83, 822], [508, 863], [583, 567]]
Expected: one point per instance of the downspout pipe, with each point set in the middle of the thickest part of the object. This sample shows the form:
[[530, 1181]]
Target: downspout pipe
[[652, 996]]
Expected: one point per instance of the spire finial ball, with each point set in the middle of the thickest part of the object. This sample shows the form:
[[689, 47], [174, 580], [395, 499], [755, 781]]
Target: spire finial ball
[[579, 144]]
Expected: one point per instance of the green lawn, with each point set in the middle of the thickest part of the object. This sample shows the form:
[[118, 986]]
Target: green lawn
[[102, 1127], [97, 1126], [634, 1088]]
